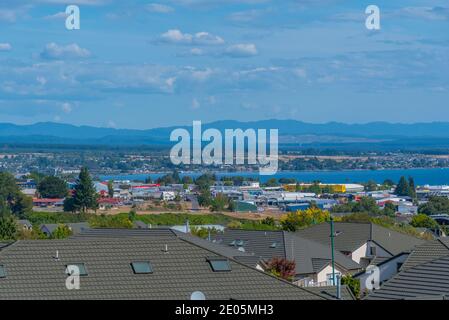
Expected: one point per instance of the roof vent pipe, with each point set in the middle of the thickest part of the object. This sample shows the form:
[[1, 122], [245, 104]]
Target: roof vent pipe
[[338, 276]]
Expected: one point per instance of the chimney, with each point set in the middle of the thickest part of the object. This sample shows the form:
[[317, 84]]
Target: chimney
[[187, 226], [338, 286]]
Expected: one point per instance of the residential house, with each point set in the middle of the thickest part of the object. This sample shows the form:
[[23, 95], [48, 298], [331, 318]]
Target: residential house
[[25, 224], [160, 265], [422, 254], [362, 242], [76, 228], [313, 260]]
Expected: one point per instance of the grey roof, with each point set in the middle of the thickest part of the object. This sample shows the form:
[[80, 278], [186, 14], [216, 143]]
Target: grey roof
[[351, 236], [429, 280], [426, 252], [379, 260], [229, 252], [140, 224], [306, 253], [32, 272], [25, 222], [76, 227], [330, 292], [4, 244]]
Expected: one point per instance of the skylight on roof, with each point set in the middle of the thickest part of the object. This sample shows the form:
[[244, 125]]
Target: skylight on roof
[[273, 245], [2, 272], [142, 267], [219, 264], [76, 268]]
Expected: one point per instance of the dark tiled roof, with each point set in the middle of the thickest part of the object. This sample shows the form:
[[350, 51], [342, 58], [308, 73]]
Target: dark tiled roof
[[229, 252], [34, 273], [351, 236], [428, 251], [4, 244], [424, 281], [378, 260], [76, 227], [393, 241], [266, 244], [288, 245]]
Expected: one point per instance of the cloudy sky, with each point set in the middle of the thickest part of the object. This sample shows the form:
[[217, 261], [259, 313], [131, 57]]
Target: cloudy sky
[[143, 64]]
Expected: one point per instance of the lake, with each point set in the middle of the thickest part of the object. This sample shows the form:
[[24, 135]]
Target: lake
[[432, 176]]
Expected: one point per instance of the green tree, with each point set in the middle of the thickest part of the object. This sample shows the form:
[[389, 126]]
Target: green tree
[[219, 203], [388, 183], [271, 183], [303, 218], [8, 227], [403, 188], [52, 187], [69, 204], [12, 200], [110, 189], [61, 232], [36, 176], [366, 204], [435, 205], [353, 284], [85, 197], [423, 221], [371, 185], [411, 188], [269, 221], [205, 198], [132, 215], [390, 209]]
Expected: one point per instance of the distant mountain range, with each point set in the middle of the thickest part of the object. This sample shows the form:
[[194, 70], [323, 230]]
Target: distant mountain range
[[291, 132]]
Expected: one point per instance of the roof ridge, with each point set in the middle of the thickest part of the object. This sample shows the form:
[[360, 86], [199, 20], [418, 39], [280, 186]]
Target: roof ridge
[[245, 266]]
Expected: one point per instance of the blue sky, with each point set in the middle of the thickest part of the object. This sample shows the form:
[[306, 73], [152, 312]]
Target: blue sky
[[143, 64]]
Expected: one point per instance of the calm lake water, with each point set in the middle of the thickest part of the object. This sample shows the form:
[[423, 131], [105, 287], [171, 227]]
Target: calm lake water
[[434, 176]]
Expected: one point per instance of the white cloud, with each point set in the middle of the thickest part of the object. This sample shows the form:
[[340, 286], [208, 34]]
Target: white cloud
[[5, 47], [176, 36], [57, 16], [41, 80], [8, 15], [159, 8], [430, 13], [205, 38], [242, 50], [195, 104], [201, 75], [196, 52], [55, 51], [66, 107]]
